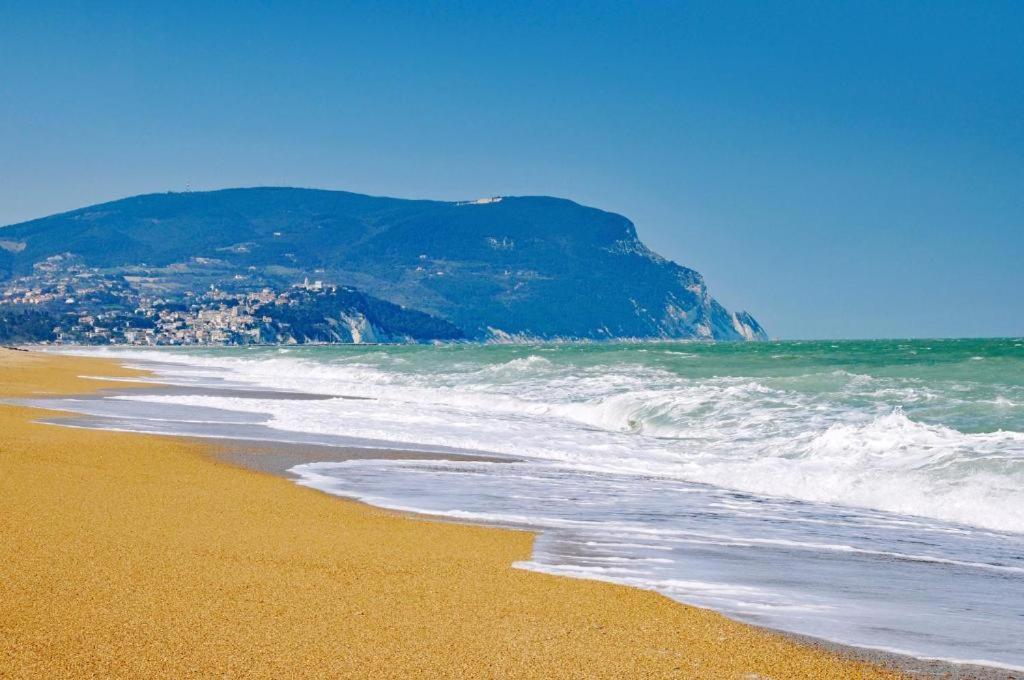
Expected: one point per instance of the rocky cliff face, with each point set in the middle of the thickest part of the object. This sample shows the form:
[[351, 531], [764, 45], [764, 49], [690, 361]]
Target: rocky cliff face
[[535, 267]]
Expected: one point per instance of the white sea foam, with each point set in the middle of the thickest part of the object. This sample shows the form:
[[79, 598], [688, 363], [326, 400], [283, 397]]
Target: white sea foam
[[855, 576], [763, 436]]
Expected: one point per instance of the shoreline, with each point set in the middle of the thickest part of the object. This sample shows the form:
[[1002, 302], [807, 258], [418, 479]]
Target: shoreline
[[278, 459], [525, 624]]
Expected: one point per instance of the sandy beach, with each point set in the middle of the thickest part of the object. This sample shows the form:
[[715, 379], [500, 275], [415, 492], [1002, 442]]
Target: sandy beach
[[139, 556]]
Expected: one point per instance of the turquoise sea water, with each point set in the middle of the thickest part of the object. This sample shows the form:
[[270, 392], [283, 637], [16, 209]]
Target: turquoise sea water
[[870, 492]]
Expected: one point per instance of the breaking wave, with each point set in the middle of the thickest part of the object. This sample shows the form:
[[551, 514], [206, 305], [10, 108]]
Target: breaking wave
[[837, 436]]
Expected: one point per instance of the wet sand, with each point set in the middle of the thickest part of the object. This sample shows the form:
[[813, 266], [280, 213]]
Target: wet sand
[[135, 555], [278, 459]]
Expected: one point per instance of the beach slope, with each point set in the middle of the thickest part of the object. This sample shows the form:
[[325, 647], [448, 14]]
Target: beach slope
[[130, 555]]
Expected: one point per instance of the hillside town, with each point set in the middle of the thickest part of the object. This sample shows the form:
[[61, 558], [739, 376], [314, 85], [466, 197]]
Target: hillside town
[[89, 306]]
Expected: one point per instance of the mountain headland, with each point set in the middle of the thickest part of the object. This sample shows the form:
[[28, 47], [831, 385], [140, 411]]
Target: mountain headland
[[302, 265]]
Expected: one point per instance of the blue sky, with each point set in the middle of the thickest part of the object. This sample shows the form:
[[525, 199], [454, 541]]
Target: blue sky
[[839, 169]]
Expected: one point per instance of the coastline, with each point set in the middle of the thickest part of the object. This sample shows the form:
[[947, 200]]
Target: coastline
[[137, 555], [279, 458]]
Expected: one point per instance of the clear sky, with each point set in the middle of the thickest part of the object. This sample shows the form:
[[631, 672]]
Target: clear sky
[[839, 169]]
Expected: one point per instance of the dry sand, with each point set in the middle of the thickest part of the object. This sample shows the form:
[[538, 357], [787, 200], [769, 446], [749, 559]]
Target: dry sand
[[140, 556]]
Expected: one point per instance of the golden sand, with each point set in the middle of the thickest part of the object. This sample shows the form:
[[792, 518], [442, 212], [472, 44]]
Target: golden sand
[[140, 556]]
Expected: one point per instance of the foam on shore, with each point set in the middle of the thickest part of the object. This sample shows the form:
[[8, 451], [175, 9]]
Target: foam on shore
[[140, 556]]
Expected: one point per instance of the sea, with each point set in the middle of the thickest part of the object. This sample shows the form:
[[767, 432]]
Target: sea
[[865, 492]]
